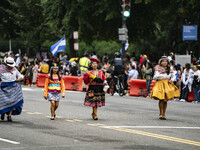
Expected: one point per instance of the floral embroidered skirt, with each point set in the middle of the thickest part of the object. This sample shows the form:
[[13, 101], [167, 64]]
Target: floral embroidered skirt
[[163, 90], [95, 96]]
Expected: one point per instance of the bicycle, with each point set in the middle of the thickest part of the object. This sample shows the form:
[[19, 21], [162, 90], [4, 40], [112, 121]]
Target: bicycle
[[118, 87]]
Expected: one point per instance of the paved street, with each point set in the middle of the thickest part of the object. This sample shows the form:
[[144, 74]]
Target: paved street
[[125, 123]]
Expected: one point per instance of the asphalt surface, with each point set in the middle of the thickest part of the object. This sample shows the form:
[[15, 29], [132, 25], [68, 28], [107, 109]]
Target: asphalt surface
[[129, 123]]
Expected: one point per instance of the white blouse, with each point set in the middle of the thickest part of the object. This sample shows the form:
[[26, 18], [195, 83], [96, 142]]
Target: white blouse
[[159, 74], [9, 76]]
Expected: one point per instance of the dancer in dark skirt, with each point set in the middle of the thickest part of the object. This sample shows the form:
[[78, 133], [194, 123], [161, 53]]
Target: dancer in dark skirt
[[95, 96]]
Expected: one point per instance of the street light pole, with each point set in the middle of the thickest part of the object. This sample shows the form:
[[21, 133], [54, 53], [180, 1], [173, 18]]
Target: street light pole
[[125, 5], [123, 42]]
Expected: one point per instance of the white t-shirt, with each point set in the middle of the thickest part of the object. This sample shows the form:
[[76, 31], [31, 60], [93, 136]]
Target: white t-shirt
[[169, 58], [18, 61], [197, 73], [133, 74]]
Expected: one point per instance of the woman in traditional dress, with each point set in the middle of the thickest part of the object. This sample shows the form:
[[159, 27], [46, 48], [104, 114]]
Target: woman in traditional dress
[[95, 96], [11, 97], [164, 89], [54, 87]]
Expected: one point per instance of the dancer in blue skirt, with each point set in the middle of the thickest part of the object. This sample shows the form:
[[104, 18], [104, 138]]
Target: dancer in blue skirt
[[11, 97]]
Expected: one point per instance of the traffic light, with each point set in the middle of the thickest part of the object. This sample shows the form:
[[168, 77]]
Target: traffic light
[[125, 4]]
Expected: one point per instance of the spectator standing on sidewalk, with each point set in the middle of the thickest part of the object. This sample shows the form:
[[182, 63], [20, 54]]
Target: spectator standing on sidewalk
[[35, 72], [148, 75], [44, 68], [186, 82], [132, 60], [132, 72], [84, 64], [143, 63], [196, 84], [29, 74], [18, 60], [170, 57]]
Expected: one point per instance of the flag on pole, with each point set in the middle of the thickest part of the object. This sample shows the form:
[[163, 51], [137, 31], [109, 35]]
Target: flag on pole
[[58, 46], [126, 47]]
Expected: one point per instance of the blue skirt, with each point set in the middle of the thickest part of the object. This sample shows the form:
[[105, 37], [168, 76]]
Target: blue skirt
[[11, 98]]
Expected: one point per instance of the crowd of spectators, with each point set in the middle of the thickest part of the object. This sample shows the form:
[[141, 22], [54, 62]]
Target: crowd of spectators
[[187, 77]]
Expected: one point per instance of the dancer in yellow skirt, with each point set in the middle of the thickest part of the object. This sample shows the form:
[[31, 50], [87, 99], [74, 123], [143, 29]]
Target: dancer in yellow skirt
[[164, 89]]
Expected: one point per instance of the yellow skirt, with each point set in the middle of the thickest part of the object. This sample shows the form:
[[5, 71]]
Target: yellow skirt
[[163, 90]]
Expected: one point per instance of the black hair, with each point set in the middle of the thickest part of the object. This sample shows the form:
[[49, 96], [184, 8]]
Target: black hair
[[133, 67], [150, 65], [187, 66], [172, 62], [32, 63], [51, 74], [90, 66], [176, 67]]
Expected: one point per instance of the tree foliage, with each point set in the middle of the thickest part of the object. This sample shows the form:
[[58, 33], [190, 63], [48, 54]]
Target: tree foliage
[[154, 27]]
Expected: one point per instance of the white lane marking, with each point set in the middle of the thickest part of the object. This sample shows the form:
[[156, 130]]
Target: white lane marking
[[9, 141], [27, 89], [74, 91], [30, 89], [151, 127]]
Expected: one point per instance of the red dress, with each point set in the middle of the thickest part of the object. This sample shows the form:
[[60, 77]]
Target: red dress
[[95, 96]]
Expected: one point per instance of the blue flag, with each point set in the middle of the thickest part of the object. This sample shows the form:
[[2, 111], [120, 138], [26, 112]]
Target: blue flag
[[58, 46]]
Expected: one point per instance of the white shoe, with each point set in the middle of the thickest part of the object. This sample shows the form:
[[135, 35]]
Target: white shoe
[[182, 100]]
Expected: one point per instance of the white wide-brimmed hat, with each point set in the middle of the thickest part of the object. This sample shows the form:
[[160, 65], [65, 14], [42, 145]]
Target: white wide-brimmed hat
[[17, 55], [10, 62]]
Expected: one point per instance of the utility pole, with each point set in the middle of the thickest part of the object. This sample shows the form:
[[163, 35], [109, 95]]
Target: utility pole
[[123, 32]]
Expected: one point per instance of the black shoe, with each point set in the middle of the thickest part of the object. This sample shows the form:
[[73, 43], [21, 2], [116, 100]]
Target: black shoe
[[2, 116], [96, 119], [52, 118], [9, 119]]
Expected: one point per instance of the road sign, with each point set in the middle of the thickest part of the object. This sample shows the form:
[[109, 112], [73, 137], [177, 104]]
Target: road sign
[[75, 35], [122, 37], [190, 32], [76, 47], [122, 30], [123, 34]]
